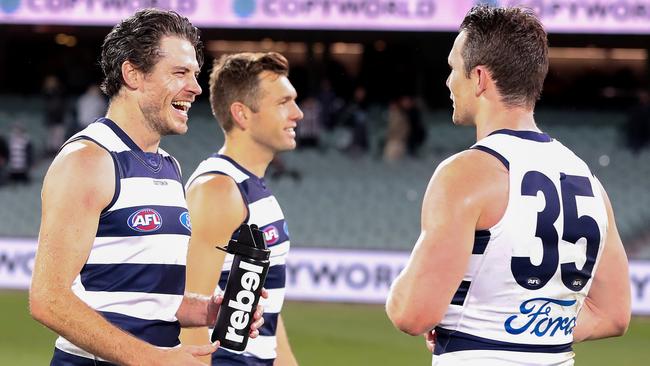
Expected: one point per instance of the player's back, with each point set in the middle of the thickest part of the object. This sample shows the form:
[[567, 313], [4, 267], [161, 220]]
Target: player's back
[[528, 274]]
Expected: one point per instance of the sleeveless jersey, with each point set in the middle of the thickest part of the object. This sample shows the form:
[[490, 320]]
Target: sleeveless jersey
[[265, 212], [529, 274], [135, 273]]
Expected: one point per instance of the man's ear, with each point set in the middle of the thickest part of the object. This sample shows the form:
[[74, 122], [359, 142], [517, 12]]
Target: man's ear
[[240, 115], [131, 75], [482, 78]]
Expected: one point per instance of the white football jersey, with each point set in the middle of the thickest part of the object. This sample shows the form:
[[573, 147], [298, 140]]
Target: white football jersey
[[528, 274]]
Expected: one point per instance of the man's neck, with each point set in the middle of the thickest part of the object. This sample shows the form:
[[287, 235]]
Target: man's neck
[[247, 154], [131, 121], [513, 118]]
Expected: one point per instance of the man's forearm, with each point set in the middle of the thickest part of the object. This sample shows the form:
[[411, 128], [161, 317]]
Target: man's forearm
[[593, 324], [193, 311], [71, 318]]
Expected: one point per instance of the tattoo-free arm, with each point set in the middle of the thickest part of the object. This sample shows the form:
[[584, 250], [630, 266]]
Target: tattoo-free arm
[[216, 209], [606, 310]]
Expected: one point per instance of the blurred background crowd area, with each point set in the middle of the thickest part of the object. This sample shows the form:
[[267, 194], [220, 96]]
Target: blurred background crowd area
[[377, 122]]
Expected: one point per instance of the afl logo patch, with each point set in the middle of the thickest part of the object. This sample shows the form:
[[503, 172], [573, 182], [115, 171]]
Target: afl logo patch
[[185, 220], [145, 220], [271, 235]]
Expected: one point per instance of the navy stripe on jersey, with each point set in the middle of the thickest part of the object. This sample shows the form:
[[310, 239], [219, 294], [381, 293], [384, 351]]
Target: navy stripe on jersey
[[503, 160], [157, 332], [130, 277], [148, 165], [481, 239], [270, 324], [454, 341], [61, 358], [254, 188], [223, 357], [526, 135], [116, 223], [275, 278], [461, 293], [274, 233]]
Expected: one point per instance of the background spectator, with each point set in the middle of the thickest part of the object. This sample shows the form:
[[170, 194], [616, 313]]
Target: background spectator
[[4, 158], [637, 127], [90, 106], [20, 155], [397, 133], [310, 127], [54, 113]]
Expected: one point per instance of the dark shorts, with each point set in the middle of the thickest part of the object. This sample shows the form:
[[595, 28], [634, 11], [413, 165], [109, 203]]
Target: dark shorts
[[224, 358]]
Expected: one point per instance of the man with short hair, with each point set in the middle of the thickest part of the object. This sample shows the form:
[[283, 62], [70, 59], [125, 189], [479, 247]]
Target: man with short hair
[[255, 105], [109, 274], [518, 255]]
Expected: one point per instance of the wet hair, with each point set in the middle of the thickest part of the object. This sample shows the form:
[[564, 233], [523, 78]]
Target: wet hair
[[512, 44], [235, 78], [137, 39]]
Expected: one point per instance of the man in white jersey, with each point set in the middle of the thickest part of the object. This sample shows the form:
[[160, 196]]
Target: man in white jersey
[[518, 255], [109, 270], [255, 105]]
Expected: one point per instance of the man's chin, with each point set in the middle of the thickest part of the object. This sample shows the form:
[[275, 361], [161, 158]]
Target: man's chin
[[176, 129], [458, 121]]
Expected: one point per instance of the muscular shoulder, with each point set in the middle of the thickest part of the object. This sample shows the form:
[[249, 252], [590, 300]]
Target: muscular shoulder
[[469, 171], [81, 169], [475, 181], [215, 193]]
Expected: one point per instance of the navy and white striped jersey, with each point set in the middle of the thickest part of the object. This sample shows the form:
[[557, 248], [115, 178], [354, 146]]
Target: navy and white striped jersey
[[135, 273], [265, 212], [529, 274]]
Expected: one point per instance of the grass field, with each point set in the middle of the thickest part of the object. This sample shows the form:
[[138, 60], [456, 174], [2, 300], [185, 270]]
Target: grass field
[[321, 334]]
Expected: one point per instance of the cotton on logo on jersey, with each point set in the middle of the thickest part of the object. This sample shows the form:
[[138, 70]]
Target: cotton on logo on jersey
[[145, 220], [271, 235]]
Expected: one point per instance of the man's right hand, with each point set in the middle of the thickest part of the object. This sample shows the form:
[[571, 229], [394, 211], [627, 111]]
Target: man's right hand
[[187, 355], [430, 337]]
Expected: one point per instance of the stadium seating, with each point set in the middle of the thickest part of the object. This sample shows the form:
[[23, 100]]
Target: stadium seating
[[362, 202]]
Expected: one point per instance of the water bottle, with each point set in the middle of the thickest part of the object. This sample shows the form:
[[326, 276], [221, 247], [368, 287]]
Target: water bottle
[[243, 288]]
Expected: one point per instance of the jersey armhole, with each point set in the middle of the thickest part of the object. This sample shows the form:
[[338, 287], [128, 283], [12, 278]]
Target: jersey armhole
[[243, 197], [118, 172]]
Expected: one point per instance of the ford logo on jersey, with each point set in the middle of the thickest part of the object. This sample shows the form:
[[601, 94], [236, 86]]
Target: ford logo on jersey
[[145, 220], [271, 235], [536, 317]]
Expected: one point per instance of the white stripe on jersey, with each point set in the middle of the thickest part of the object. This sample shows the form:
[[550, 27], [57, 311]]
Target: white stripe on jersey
[[217, 164], [142, 191], [264, 211], [147, 249], [65, 346], [134, 304], [503, 358], [275, 301], [263, 346], [108, 139]]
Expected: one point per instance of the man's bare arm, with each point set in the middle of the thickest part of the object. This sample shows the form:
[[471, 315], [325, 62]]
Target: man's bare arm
[[451, 211], [216, 210], [606, 310], [285, 354]]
